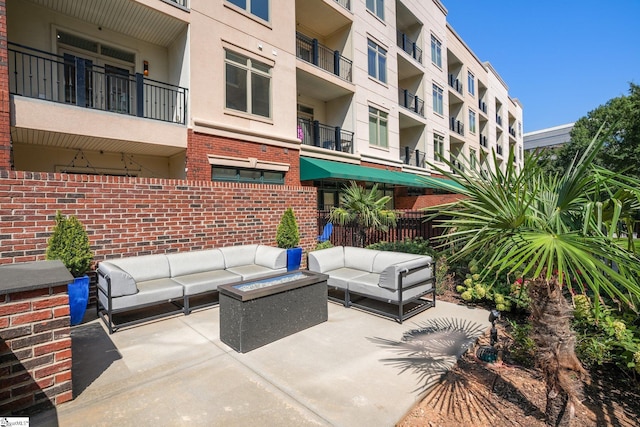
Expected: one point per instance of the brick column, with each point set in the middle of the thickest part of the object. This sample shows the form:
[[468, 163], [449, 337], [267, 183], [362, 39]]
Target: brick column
[[5, 124], [35, 342]]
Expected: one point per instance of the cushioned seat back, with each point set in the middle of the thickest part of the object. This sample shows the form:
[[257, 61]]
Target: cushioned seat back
[[359, 258], [144, 267], [385, 259], [270, 257], [324, 260], [184, 263], [235, 256]]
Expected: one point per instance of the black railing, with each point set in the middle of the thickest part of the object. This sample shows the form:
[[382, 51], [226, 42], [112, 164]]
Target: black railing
[[312, 51], [498, 120], [499, 149], [409, 46], [71, 80], [316, 134], [456, 125], [410, 224], [344, 3], [482, 106], [483, 141], [455, 83], [414, 157], [411, 101], [457, 163], [512, 132]]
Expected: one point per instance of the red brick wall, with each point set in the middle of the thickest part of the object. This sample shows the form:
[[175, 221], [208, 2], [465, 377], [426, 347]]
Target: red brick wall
[[35, 350], [5, 136], [133, 216], [200, 145], [424, 201]]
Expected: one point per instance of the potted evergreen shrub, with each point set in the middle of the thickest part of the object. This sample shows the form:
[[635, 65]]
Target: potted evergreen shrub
[[288, 237], [69, 243]]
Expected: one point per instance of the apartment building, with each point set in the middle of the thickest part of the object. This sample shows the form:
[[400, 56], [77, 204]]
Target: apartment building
[[316, 93]]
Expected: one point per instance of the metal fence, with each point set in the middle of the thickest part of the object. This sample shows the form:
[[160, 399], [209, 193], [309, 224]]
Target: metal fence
[[411, 224]]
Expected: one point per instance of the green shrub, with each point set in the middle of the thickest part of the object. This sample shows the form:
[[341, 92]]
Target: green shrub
[[287, 234], [323, 245], [444, 280], [69, 243], [523, 348]]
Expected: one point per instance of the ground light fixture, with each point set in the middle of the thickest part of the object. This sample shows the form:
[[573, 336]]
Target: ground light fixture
[[489, 353]]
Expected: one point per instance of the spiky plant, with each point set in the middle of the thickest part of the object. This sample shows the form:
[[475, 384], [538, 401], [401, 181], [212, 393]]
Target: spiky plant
[[556, 231]]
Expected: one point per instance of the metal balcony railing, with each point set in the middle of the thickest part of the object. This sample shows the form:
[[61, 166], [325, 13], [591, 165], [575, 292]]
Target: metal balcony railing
[[498, 120], [455, 83], [312, 51], [414, 157], [344, 3], [457, 163], [482, 106], [456, 125], [411, 101], [499, 149], [77, 81], [483, 141], [183, 3], [409, 46], [317, 134], [512, 132]]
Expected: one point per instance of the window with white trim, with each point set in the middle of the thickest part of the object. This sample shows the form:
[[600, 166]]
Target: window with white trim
[[378, 127], [248, 85], [438, 105], [376, 7], [472, 121], [473, 158], [259, 8], [438, 147], [377, 62], [436, 51], [471, 83]]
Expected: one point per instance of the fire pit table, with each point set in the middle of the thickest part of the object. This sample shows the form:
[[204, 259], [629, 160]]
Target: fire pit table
[[254, 313]]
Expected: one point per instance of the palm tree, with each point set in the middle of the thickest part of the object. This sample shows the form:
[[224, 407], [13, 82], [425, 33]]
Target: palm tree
[[366, 209], [556, 231]]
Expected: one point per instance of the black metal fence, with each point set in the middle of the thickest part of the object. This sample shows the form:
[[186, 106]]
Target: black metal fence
[[411, 224], [310, 50]]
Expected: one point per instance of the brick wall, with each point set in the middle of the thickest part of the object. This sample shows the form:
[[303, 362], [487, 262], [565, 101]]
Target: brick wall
[[35, 350], [5, 136], [135, 216]]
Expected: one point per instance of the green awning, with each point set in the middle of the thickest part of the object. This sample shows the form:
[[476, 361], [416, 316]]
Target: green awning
[[316, 169]]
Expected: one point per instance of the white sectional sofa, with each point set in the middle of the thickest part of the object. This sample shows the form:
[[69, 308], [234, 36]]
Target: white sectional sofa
[[130, 283], [395, 278]]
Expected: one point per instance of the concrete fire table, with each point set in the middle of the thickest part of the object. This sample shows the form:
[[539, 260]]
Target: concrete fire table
[[254, 313]]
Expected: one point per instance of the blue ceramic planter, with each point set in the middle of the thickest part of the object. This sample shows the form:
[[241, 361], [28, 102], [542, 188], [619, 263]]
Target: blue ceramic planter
[[78, 297], [294, 257]]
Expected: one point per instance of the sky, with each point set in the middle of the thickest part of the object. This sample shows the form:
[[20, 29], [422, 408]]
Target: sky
[[559, 58]]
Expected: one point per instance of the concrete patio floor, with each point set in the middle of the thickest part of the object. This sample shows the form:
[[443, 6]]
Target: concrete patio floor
[[356, 369]]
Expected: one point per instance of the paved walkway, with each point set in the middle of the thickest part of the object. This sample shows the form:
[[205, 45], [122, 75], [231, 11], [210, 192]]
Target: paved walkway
[[357, 369]]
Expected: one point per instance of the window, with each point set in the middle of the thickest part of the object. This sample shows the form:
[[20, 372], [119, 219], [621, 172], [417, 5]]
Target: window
[[248, 85], [437, 99], [436, 51], [473, 158], [259, 8], [438, 147], [471, 83], [472, 121], [377, 62], [376, 7], [378, 128], [222, 173]]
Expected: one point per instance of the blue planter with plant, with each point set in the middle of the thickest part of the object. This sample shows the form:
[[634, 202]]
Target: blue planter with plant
[[288, 237], [69, 243]]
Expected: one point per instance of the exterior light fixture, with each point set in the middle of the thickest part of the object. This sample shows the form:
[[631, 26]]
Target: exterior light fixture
[[145, 69]]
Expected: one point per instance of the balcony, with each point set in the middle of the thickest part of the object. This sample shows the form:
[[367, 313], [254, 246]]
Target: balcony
[[344, 3], [512, 132], [414, 157], [75, 81], [181, 3], [409, 46], [411, 101], [482, 106], [483, 141], [456, 125], [310, 50], [499, 149], [316, 134], [498, 120], [456, 164], [455, 84]]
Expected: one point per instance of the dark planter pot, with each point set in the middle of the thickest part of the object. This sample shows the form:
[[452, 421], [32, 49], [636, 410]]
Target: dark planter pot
[[78, 298], [294, 257]]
